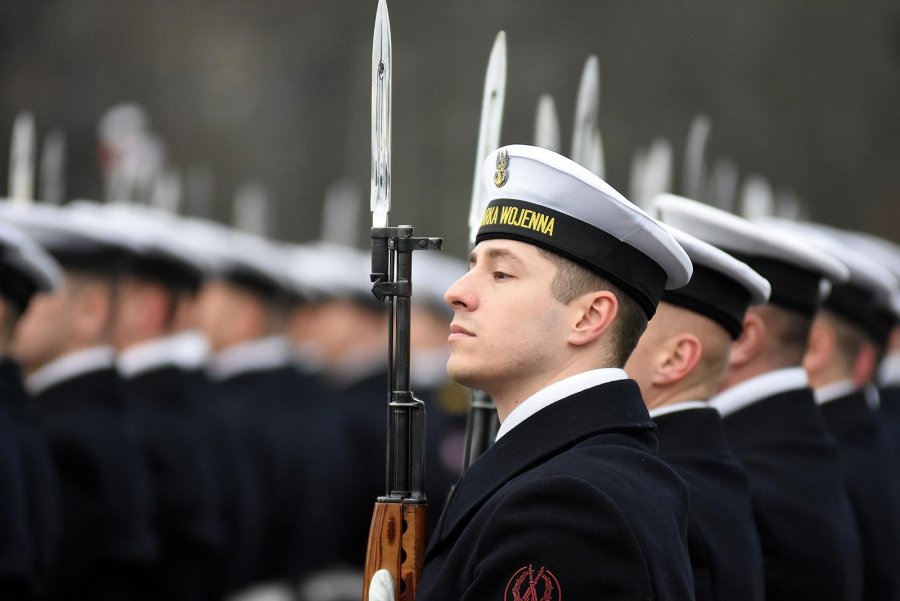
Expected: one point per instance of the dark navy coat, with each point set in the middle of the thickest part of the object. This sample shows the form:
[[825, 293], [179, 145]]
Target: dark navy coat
[[107, 540], [573, 503], [42, 518], [178, 449], [276, 409], [722, 539], [866, 458], [810, 541]]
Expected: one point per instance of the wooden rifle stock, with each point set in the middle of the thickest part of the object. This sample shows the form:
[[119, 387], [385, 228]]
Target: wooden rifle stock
[[397, 544]]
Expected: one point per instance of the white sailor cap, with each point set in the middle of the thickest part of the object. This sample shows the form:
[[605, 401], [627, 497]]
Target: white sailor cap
[[539, 197], [721, 288], [25, 267], [325, 270], [887, 254], [156, 250], [77, 240], [246, 260], [795, 271], [432, 274], [867, 292]]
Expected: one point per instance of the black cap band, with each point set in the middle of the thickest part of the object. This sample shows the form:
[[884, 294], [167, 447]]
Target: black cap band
[[595, 249], [713, 295], [16, 288], [857, 305], [173, 274], [793, 287]]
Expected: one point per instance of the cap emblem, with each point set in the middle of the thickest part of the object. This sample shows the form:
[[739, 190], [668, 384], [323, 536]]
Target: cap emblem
[[501, 176]]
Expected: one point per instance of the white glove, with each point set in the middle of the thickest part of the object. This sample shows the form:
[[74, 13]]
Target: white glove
[[381, 587]]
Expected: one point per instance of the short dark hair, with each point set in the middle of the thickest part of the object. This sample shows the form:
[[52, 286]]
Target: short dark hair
[[850, 338], [573, 280], [788, 331]]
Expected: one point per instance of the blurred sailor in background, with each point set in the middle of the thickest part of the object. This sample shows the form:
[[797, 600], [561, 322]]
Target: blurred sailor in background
[[63, 345], [29, 510]]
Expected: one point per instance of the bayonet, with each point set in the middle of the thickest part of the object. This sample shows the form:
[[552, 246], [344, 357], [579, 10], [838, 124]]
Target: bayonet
[[694, 181], [21, 160], [53, 168], [380, 197], [489, 128], [586, 145], [546, 124]]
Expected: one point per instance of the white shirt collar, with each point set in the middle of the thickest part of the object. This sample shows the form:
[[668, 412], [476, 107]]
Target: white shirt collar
[[69, 366], [835, 390], [674, 407], [889, 372], [187, 350], [755, 389], [557, 391], [266, 353]]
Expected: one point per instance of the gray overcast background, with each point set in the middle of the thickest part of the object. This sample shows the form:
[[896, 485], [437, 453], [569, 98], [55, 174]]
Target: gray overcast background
[[805, 92]]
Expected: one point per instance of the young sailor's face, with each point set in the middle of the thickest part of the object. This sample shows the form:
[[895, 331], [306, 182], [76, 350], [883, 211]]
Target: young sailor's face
[[508, 329]]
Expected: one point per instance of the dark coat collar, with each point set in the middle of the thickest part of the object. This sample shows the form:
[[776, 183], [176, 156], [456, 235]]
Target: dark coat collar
[[692, 431], [613, 407]]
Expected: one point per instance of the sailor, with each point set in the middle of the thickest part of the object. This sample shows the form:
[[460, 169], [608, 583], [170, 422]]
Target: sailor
[[845, 341], [258, 388], [30, 513], [347, 326], [810, 541], [62, 343], [158, 278], [571, 501], [678, 364]]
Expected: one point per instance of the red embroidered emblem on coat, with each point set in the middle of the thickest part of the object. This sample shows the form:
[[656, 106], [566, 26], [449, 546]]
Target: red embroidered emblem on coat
[[528, 584]]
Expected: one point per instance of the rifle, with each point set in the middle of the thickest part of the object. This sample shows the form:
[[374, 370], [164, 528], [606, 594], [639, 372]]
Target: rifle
[[482, 422], [399, 527]]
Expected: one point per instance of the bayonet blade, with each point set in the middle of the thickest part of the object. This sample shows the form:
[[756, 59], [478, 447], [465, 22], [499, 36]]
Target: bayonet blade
[[21, 160], [489, 128], [546, 124], [694, 184], [586, 130], [380, 198]]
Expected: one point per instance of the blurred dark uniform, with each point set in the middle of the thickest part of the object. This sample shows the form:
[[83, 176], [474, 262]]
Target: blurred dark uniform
[[179, 451], [41, 518], [108, 543], [866, 457], [263, 391]]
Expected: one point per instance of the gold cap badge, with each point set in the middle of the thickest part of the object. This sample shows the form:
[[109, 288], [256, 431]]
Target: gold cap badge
[[502, 174]]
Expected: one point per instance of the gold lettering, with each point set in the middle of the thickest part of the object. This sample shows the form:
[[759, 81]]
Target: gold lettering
[[490, 216], [508, 215], [549, 229]]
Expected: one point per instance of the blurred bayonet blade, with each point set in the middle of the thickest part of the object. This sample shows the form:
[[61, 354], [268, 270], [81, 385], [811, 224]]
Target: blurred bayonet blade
[[586, 112], [340, 213], [21, 159], [380, 197], [489, 127], [636, 188], [723, 185], [595, 161], [251, 209], [166, 191], [658, 170], [546, 124], [757, 198], [695, 158], [788, 205], [53, 168]]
